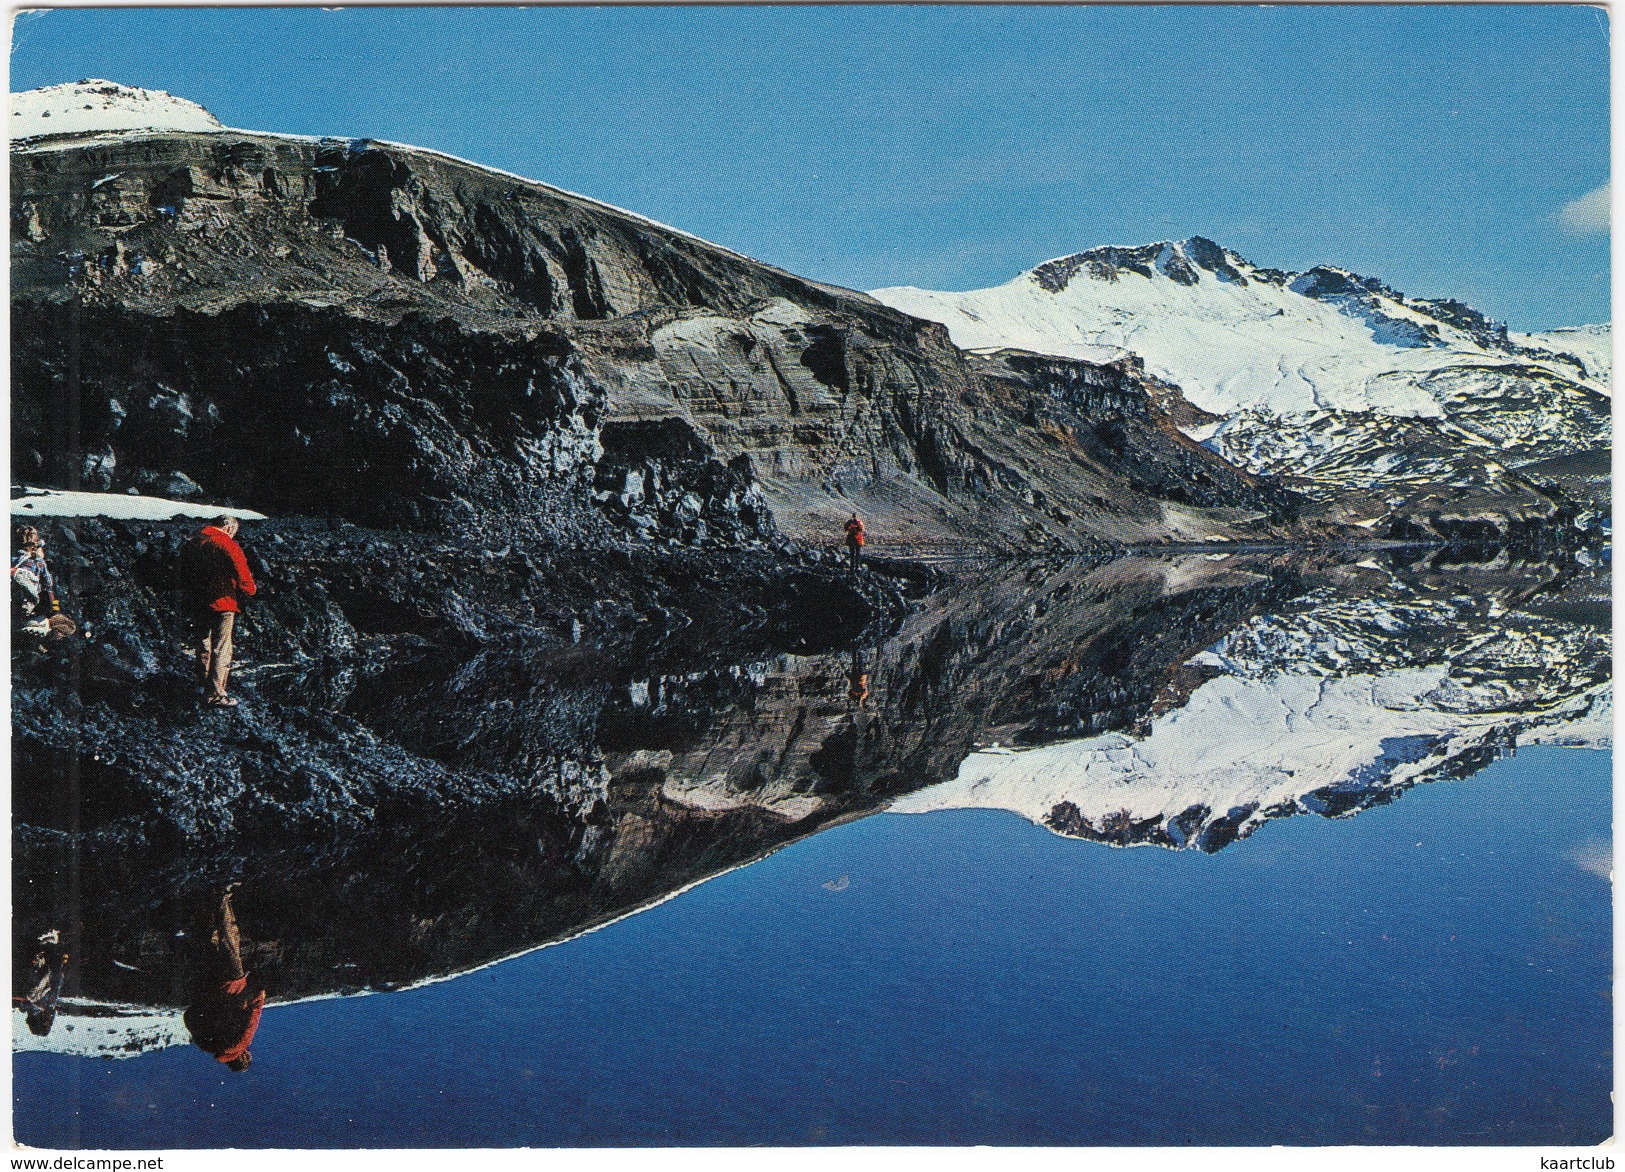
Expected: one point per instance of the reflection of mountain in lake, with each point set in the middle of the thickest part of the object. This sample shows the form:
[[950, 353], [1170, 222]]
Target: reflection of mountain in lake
[[642, 781], [1337, 704], [659, 779]]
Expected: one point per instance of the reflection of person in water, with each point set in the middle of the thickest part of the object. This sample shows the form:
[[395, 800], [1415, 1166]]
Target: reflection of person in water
[[226, 1009], [45, 984], [857, 682]]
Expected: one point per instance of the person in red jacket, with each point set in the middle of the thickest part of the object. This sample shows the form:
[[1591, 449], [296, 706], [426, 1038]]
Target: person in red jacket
[[215, 578], [854, 540]]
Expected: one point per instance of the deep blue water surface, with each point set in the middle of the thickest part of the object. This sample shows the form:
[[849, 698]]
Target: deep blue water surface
[[1436, 971]]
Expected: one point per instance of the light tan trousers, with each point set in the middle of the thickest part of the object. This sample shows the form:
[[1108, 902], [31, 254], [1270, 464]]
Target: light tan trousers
[[214, 653]]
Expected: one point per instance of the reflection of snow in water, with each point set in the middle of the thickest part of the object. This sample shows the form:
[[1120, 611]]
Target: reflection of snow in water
[[102, 1030], [1595, 857], [1245, 750], [1323, 712]]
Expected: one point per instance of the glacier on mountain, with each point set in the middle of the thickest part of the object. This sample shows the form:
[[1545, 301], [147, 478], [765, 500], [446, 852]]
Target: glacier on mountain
[[1238, 337], [1309, 373]]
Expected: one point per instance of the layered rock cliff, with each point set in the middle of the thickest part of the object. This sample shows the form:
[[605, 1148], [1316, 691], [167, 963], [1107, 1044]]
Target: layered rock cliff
[[357, 329]]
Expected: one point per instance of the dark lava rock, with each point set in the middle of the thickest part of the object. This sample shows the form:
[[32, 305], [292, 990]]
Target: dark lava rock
[[377, 671], [385, 335]]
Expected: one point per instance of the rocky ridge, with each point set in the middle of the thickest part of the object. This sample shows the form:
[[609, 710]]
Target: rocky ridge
[[479, 346]]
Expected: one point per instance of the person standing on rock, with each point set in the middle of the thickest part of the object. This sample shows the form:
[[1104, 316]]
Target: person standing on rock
[[33, 590], [214, 578], [35, 609], [854, 541], [225, 1009]]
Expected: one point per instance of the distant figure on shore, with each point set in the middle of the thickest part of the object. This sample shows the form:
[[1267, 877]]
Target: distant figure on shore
[[854, 541], [38, 1003], [225, 1009], [214, 578], [35, 608]]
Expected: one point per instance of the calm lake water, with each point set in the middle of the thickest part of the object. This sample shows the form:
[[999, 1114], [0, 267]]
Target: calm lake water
[[1273, 875], [1432, 972]]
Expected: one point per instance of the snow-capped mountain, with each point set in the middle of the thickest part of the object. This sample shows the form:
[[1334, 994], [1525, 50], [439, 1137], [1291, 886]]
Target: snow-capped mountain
[[94, 105], [1238, 337], [1329, 710], [1308, 373], [1593, 345]]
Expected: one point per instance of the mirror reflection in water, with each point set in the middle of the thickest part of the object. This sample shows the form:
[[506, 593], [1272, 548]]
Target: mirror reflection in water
[[863, 894]]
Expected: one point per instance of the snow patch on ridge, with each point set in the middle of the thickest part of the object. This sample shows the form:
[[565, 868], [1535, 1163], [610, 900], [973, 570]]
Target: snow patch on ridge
[[114, 109], [94, 105], [93, 1029]]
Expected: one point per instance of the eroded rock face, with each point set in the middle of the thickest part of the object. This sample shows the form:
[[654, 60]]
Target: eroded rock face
[[345, 328], [422, 424]]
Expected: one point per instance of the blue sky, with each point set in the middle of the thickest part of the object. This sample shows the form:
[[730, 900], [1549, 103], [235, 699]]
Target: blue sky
[[1435, 147]]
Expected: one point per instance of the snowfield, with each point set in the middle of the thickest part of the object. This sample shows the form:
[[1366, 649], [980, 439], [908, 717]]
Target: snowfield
[[1237, 337], [1309, 372], [94, 105], [1593, 345], [50, 502]]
